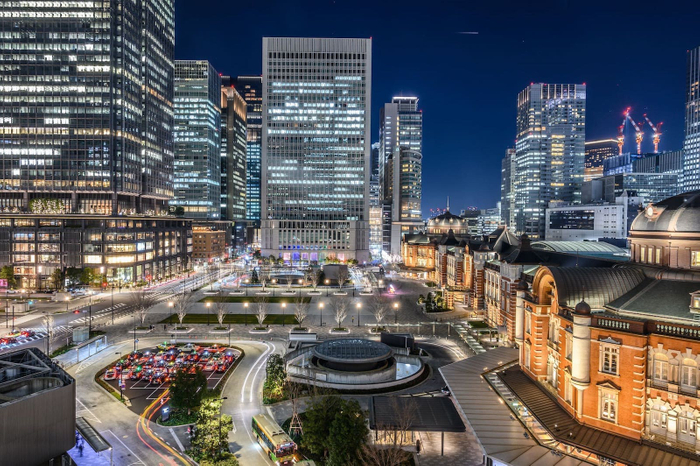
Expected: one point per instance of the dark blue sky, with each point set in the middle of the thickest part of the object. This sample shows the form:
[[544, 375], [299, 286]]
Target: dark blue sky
[[628, 54]]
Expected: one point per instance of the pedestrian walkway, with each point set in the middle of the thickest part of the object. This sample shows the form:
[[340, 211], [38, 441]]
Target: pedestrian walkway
[[461, 449], [89, 456]]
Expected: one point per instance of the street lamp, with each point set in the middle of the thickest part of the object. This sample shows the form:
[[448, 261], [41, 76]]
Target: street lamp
[[327, 282], [67, 299], [283, 306], [170, 305], [320, 306], [358, 306], [245, 305], [38, 277], [121, 379], [396, 312], [208, 305]]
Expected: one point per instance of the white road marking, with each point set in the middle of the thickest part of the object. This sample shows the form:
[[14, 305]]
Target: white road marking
[[140, 461], [251, 370], [177, 440], [88, 410], [252, 382]]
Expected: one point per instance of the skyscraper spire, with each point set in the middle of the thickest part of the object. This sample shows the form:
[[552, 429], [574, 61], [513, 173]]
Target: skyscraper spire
[[448, 203]]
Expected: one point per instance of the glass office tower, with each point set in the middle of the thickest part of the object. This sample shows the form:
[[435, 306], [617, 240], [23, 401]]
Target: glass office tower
[[86, 153], [233, 155], [401, 168], [250, 88], [197, 139], [691, 145], [86, 115], [549, 151], [316, 148]]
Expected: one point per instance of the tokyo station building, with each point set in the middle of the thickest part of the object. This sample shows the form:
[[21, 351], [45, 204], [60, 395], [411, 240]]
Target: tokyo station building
[[618, 347]]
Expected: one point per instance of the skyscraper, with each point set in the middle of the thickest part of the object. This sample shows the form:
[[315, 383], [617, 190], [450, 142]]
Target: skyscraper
[[316, 148], [250, 88], [375, 205], [691, 145], [400, 167], [197, 139], [233, 154], [507, 201], [596, 154], [76, 126], [549, 151], [87, 146]]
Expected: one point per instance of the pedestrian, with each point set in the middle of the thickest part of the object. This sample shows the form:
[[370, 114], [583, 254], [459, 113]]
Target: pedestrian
[[165, 327], [418, 446], [80, 449]]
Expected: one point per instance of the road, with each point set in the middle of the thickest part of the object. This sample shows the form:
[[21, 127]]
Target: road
[[244, 393], [138, 440], [109, 310]]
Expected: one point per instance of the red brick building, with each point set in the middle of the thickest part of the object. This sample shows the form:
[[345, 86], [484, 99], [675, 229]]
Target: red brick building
[[619, 347]]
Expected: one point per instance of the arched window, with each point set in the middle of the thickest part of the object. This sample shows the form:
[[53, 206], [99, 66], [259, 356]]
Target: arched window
[[661, 368], [687, 427], [689, 373]]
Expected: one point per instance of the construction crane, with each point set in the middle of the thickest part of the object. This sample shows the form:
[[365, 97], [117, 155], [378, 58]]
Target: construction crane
[[639, 135], [657, 133], [621, 135]]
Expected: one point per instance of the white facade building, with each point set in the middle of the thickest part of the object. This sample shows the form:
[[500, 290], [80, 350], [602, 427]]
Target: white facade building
[[691, 144], [316, 148], [591, 222]]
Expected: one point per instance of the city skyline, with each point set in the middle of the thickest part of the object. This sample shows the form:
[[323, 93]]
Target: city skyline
[[476, 101]]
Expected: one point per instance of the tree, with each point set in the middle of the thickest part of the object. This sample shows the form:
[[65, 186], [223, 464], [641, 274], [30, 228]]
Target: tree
[[276, 377], [210, 441], [261, 310], [142, 301], [86, 276], [379, 306], [73, 275], [392, 438], [56, 279], [48, 322], [264, 277], [182, 305], [347, 435], [301, 309], [8, 273], [342, 276], [315, 277], [341, 306], [335, 429], [254, 279], [187, 389], [221, 307]]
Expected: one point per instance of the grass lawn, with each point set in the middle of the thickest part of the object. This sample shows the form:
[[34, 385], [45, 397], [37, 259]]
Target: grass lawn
[[251, 319], [254, 299]]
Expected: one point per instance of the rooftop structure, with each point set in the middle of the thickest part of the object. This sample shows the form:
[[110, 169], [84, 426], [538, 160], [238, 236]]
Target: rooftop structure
[[37, 408]]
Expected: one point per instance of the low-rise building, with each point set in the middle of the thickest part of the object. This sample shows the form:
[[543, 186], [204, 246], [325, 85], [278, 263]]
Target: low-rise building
[[591, 222], [123, 249], [208, 244]]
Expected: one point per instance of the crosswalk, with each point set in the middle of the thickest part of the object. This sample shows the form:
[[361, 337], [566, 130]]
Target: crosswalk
[[85, 318]]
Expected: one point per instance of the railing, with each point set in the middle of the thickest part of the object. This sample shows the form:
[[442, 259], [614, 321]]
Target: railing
[[675, 330]]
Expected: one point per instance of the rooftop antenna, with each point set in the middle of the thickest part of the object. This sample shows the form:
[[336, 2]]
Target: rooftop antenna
[[448, 203]]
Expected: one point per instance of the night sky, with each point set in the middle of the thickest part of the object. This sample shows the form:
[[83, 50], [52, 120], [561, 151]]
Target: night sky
[[628, 54]]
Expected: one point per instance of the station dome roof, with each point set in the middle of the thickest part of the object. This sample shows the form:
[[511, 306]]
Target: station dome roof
[[679, 213]]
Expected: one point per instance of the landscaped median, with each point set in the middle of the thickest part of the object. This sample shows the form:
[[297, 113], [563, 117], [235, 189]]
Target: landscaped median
[[250, 319], [251, 299]]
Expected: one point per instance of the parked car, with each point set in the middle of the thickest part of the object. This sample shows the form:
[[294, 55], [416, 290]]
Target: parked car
[[110, 374], [28, 333], [445, 391], [221, 367], [210, 366]]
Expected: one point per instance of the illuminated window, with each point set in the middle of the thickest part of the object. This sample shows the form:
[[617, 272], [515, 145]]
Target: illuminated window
[[609, 359], [608, 405], [695, 259]]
